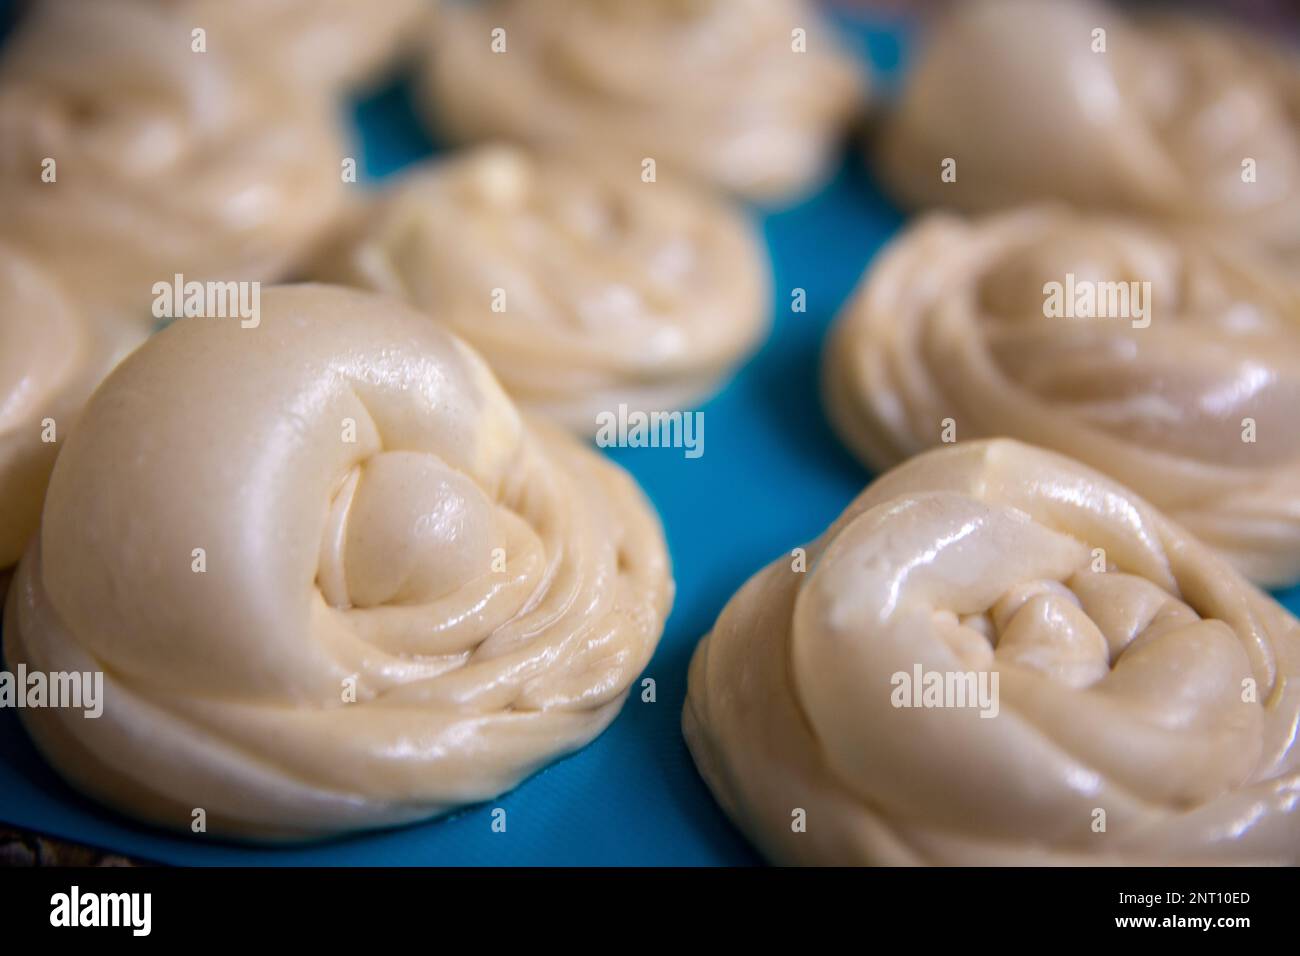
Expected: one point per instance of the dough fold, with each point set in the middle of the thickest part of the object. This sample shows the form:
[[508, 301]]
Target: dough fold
[[1186, 395], [582, 288], [407, 598], [1145, 707], [1162, 122], [164, 160], [713, 88]]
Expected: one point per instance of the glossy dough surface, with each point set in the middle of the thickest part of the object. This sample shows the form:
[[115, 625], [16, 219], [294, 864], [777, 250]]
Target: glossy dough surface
[[371, 564], [709, 87], [1160, 122], [581, 285], [1163, 690], [166, 160], [949, 325]]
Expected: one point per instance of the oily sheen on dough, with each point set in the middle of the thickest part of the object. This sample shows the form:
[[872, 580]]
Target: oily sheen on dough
[[51, 356], [1195, 411], [487, 587], [166, 160], [710, 87], [1162, 691], [582, 288], [1160, 123]]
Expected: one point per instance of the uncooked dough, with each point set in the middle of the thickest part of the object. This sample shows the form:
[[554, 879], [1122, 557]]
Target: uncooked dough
[[751, 94], [126, 157], [327, 44], [1146, 701], [1180, 117], [581, 285], [333, 579], [1189, 398], [51, 356]]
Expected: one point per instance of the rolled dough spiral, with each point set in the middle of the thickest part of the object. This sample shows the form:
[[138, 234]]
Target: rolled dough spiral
[[714, 88], [485, 588], [582, 288], [164, 160], [51, 357], [1162, 121], [1147, 695], [1195, 411]]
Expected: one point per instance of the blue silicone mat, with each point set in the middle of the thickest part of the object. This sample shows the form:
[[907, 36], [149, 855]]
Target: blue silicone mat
[[772, 477]]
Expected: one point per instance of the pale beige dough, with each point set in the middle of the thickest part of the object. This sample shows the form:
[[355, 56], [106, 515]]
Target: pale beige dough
[[51, 357], [1147, 694], [711, 88], [377, 520], [325, 44], [165, 160], [947, 338], [581, 285], [1161, 122]]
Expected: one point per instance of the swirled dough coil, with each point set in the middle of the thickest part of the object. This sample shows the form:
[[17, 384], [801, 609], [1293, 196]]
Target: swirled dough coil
[[1189, 397], [1144, 711], [718, 89], [408, 598], [127, 158], [583, 288], [1191, 121]]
